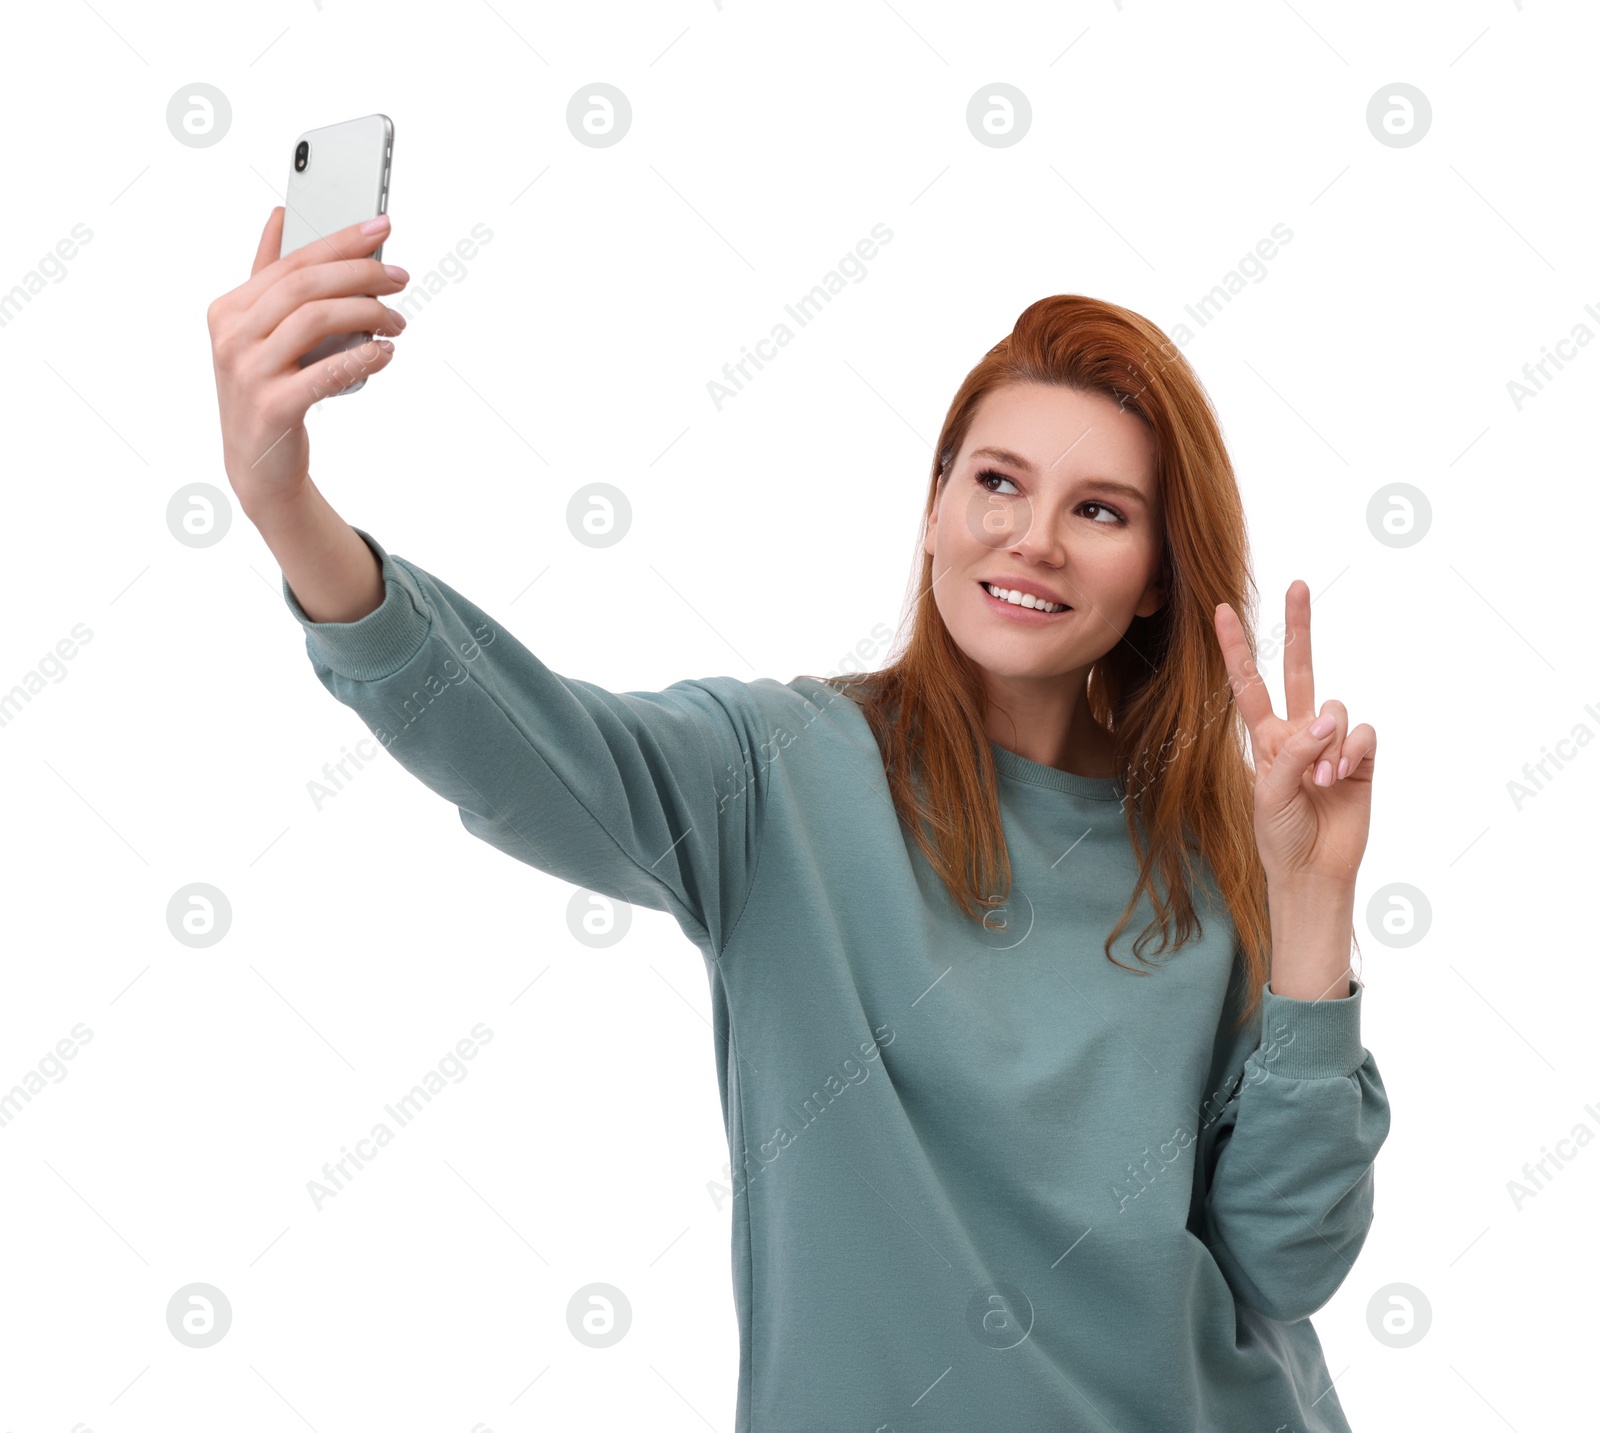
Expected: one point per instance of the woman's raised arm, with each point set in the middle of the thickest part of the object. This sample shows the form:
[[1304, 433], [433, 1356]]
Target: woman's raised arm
[[655, 798], [259, 331]]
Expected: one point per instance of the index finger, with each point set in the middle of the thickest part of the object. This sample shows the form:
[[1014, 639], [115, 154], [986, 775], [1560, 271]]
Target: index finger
[[1255, 702], [271, 241], [270, 266]]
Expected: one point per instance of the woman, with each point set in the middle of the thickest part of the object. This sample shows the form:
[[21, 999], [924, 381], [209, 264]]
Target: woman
[[993, 1164]]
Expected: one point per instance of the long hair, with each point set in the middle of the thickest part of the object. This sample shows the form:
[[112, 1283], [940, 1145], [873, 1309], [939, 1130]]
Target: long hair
[[1179, 740]]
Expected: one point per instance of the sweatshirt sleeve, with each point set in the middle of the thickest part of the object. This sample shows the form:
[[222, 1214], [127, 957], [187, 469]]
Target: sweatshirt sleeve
[[1287, 1161], [646, 797]]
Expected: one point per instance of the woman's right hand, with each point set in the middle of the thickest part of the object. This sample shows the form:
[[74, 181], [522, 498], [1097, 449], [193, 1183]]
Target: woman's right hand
[[258, 333]]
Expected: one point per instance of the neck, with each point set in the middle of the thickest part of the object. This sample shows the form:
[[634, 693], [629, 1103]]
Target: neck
[[1056, 730]]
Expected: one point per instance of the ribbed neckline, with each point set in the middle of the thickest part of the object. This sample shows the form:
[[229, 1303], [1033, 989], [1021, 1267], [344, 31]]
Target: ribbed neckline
[[1019, 768], [1094, 788]]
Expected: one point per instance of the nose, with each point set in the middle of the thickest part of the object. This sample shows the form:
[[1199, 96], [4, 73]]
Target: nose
[[1039, 543]]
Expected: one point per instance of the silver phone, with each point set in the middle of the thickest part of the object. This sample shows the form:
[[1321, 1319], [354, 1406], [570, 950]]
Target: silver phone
[[339, 176]]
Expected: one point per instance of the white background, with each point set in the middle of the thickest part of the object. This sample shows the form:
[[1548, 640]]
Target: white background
[[769, 537]]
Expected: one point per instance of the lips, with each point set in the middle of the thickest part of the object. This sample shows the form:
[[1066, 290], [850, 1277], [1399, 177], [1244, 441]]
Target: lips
[[1028, 589], [1014, 614]]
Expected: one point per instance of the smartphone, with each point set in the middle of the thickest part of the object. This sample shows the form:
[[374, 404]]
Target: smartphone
[[339, 176]]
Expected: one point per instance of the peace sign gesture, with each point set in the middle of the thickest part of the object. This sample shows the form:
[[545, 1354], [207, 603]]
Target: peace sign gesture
[[1313, 801]]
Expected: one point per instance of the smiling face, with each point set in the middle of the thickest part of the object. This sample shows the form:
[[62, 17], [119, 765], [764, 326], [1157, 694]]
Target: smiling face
[[1053, 493]]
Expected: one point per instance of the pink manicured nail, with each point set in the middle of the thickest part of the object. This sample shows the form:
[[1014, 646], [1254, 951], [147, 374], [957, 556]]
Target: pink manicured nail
[[375, 226], [1344, 766], [1324, 773], [1322, 726]]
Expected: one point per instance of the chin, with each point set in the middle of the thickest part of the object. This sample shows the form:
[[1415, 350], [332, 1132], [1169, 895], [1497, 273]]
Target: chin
[[1000, 659]]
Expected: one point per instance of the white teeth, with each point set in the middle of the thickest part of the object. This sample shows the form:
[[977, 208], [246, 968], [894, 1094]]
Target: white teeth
[[1023, 599]]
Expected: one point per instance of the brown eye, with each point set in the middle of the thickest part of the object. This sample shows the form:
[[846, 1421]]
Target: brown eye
[[982, 479]]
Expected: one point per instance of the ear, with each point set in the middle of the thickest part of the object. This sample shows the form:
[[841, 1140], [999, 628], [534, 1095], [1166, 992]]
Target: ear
[[933, 523], [1156, 594]]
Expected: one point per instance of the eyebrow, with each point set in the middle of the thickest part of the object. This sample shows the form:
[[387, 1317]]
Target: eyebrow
[[1016, 460]]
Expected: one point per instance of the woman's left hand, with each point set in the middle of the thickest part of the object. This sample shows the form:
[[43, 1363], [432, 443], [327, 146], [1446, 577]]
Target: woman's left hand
[[1313, 801]]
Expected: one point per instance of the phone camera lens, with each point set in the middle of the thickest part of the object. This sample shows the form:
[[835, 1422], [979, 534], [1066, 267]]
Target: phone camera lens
[[301, 154]]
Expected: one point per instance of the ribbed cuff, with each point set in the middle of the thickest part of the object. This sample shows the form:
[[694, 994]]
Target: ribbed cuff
[[381, 642], [1310, 1039]]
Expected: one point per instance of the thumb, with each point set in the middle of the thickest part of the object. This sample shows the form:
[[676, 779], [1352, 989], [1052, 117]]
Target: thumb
[[1296, 756]]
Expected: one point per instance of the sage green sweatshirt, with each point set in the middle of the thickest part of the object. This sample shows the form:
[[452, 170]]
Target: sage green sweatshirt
[[982, 1177]]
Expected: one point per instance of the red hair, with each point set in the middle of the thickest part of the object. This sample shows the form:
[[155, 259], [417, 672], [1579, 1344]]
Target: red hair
[[1180, 743]]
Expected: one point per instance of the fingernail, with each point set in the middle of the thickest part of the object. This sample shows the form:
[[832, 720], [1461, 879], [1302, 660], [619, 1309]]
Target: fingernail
[[1324, 773], [376, 226], [1322, 726], [396, 273], [399, 321], [1344, 766]]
